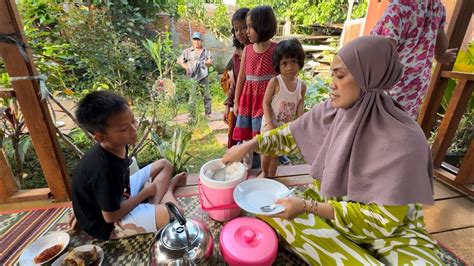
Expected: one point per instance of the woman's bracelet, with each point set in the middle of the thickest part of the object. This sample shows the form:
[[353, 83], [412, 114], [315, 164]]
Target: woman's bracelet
[[314, 207], [304, 206]]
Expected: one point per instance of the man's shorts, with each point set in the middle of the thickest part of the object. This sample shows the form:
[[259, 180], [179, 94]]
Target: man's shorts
[[142, 218]]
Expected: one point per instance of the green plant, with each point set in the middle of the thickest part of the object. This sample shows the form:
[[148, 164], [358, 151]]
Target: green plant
[[304, 12], [464, 63], [317, 90], [464, 134], [109, 60], [465, 60], [163, 53], [218, 23], [13, 137], [41, 20], [176, 150]]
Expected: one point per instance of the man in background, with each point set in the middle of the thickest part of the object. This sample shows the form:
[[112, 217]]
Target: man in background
[[196, 60]]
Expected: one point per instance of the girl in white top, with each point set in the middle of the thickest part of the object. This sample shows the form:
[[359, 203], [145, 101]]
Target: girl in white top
[[284, 97]]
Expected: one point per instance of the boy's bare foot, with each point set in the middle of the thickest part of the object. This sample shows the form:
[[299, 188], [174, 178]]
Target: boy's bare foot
[[72, 223], [169, 197], [177, 179]]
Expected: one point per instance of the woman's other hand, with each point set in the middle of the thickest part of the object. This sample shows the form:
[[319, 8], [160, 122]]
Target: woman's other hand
[[448, 57], [235, 154], [238, 152], [236, 109], [293, 207]]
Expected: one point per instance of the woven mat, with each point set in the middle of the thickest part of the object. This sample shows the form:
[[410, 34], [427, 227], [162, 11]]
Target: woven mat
[[18, 230]]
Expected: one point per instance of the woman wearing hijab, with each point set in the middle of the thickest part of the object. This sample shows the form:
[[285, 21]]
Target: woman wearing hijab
[[371, 163]]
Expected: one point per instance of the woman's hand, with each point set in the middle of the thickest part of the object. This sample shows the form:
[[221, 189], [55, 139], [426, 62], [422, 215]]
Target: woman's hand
[[269, 126], [236, 109], [448, 57], [235, 154], [293, 208]]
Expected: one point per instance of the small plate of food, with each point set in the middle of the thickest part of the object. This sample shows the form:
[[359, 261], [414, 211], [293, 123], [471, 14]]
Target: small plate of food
[[83, 255], [44, 249]]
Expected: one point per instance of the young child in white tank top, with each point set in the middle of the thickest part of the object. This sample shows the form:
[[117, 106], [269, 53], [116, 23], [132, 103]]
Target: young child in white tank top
[[284, 97]]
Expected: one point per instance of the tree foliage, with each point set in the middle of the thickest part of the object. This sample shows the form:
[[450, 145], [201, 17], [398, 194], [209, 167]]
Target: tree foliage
[[218, 23], [307, 12]]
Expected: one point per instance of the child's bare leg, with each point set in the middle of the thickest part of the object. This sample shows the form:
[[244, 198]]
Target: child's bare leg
[[273, 167], [169, 196], [266, 160], [160, 174], [162, 215]]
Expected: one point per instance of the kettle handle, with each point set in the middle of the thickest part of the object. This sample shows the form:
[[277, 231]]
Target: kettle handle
[[176, 212]]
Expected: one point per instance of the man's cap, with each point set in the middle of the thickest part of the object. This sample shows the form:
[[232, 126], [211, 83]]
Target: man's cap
[[197, 35]]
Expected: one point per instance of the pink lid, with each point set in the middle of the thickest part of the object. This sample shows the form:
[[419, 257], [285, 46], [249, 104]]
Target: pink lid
[[248, 241]]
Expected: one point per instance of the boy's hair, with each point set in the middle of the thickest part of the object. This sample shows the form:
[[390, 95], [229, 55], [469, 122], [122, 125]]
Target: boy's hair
[[240, 14], [96, 107], [290, 48], [263, 22]]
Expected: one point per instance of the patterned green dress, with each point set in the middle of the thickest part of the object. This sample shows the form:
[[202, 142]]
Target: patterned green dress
[[360, 234]]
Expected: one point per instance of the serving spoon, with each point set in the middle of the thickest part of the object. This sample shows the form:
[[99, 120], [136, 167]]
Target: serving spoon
[[270, 208]]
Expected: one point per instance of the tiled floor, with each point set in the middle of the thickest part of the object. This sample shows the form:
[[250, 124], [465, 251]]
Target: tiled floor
[[451, 221]]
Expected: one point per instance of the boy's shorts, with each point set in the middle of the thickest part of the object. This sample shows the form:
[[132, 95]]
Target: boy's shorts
[[142, 218]]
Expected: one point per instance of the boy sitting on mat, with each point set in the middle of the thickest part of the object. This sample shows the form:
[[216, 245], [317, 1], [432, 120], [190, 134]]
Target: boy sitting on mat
[[108, 203]]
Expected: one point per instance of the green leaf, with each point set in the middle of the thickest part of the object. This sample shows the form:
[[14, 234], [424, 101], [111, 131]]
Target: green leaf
[[24, 145]]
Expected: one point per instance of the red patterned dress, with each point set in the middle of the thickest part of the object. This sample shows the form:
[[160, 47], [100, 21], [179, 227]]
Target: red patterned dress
[[414, 26], [258, 72]]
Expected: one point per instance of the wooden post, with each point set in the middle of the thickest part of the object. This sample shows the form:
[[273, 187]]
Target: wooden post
[[456, 30], [375, 11], [8, 186], [452, 117], [35, 111], [465, 175]]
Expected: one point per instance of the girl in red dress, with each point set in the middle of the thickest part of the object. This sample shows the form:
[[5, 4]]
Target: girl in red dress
[[256, 70], [239, 32]]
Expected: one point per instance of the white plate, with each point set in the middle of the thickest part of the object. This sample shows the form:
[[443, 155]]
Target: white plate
[[252, 194], [42, 243], [60, 260]]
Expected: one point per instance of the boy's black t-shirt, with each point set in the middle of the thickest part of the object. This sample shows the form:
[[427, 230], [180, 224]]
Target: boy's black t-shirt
[[100, 182]]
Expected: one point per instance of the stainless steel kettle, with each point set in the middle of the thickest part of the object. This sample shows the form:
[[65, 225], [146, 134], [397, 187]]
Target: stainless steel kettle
[[181, 241]]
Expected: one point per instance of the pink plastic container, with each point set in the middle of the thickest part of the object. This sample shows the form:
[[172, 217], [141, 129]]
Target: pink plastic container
[[217, 197], [248, 241]]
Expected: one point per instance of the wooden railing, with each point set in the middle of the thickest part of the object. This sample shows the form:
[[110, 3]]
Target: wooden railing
[[35, 113], [464, 176], [447, 129]]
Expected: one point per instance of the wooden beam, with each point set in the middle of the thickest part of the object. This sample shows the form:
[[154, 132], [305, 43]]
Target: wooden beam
[[448, 178], [456, 108], [458, 75], [34, 109], [7, 93], [465, 175], [456, 30], [29, 195], [432, 101], [8, 186]]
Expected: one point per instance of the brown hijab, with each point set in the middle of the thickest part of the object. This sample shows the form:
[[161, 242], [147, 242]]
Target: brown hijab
[[372, 152]]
